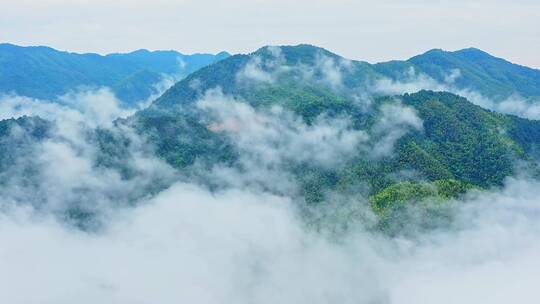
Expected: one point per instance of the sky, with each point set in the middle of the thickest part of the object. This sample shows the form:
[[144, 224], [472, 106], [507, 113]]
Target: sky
[[365, 30]]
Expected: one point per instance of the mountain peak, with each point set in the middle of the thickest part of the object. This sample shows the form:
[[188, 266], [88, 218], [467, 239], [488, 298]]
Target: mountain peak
[[301, 53], [297, 47], [10, 46], [140, 51], [470, 52], [223, 54]]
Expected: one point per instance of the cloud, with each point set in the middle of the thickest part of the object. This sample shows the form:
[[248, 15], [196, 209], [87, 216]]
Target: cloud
[[254, 71], [191, 245], [326, 71], [323, 71], [492, 248], [93, 107], [413, 82], [271, 142], [98, 107], [63, 170], [160, 87], [186, 245], [395, 121], [515, 105], [330, 72], [277, 134], [263, 70], [66, 175], [410, 82]]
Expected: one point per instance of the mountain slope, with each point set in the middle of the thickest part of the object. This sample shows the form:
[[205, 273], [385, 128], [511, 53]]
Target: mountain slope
[[492, 76]]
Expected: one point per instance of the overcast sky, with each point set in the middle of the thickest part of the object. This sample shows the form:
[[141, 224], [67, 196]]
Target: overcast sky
[[366, 30]]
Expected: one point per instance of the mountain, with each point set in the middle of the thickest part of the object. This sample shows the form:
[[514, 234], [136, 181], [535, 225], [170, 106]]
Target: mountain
[[45, 73], [468, 69], [315, 118], [459, 141]]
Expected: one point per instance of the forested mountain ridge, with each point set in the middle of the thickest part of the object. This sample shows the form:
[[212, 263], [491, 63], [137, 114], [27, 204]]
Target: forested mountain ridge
[[468, 69], [458, 141]]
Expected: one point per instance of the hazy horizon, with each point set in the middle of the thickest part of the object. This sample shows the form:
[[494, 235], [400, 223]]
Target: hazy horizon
[[361, 30]]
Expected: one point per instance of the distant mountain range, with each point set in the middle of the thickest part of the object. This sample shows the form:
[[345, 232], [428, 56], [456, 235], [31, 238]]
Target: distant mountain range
[[45, 73]]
